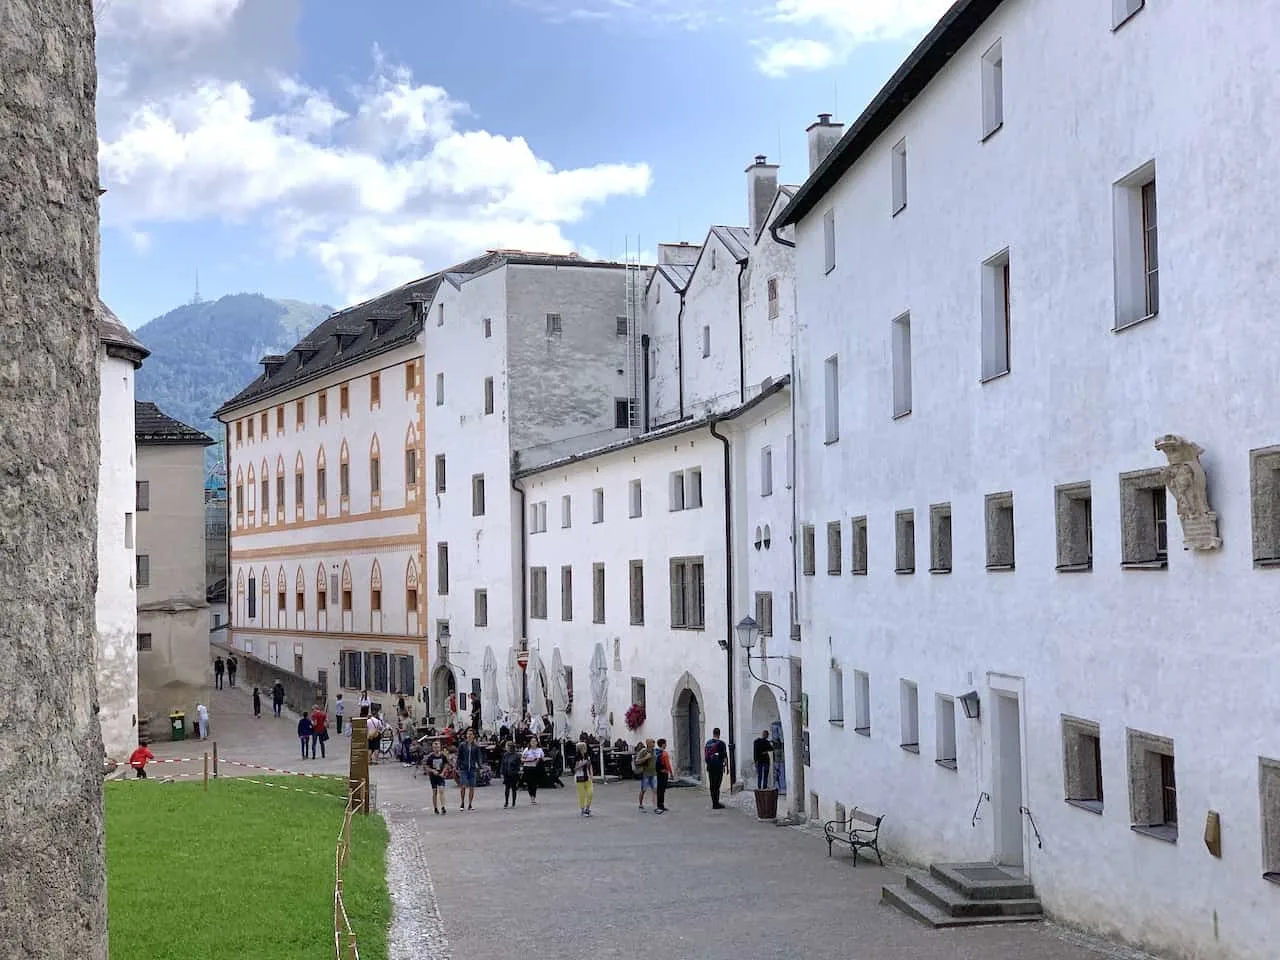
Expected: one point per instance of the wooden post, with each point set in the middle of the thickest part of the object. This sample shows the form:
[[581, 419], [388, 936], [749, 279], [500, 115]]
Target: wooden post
[[215, 759], [206, 769], [351, 947], [358, 771]]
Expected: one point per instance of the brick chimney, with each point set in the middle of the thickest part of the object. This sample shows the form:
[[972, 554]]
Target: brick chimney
[[762, 187], [823, 135]]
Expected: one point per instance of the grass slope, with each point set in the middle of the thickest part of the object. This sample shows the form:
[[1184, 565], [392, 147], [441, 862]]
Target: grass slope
[[241, 871]]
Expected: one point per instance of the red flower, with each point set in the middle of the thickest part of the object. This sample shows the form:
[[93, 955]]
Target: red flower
[[635, 716]]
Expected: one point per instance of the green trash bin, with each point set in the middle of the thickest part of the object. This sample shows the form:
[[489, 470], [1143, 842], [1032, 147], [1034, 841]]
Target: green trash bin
[[177, 725]]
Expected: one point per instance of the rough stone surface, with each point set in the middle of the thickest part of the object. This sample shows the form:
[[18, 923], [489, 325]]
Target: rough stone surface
[[52, 900]]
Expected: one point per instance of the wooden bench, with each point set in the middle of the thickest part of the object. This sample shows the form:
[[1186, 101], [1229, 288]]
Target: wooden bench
[[860, 831]]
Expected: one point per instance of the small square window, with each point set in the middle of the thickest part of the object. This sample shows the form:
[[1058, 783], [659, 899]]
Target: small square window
[[1075, 527], [1153, 788], [834, 563], [905, 541], [621, 325], [1082, 763], [909, 703], [862, 702], [858, 547], [992, 89], [808, 550], [481, 602], [899, 176], [940, 538], [1000, 551], [1264, 491], [1144, 527], [144, 641], [944, 708], [555, 327]]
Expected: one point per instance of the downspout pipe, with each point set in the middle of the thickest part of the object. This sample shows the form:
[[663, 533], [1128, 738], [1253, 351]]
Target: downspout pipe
[[773, 232], [524, 581], [680, 355], [728, 604], [742, 338], [644, 347]]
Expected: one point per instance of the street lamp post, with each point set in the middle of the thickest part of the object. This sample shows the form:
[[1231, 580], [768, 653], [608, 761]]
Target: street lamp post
[[522, 658], [748, 630]]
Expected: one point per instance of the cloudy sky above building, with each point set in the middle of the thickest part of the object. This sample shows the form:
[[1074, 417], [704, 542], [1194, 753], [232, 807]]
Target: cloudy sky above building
[[326, 150]]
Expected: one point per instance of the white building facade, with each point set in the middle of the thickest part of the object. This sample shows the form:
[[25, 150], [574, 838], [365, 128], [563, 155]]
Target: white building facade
[[117, 606], [982, 375]]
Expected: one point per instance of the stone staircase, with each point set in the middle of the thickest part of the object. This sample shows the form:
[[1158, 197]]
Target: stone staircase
[[965, 895]]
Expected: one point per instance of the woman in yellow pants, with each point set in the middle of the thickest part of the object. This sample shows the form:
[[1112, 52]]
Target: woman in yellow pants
[[582, 778]]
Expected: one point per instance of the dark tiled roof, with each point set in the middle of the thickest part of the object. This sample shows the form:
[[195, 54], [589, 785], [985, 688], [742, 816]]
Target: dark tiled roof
[[117, 338], [737, 240], [375, 326], [924, 63], [676, 274], [151, 425]]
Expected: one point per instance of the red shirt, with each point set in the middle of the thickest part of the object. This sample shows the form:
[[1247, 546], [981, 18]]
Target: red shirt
[[138, 759], [319, 719]]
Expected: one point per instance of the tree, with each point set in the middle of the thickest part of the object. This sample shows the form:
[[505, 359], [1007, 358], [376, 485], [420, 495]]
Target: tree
[[52, 897]]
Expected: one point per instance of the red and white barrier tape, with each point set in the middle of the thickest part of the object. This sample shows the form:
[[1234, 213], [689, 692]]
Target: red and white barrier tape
[[281, 786], [292, 773]]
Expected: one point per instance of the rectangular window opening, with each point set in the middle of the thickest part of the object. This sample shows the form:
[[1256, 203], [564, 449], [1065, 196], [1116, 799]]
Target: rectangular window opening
[[940, 538], [1144, 527], [862, 702], [996, 317], [909, 702], [566, 593], [999, 515], [905, 541], [831, 370], [1074, 510], [992, 89], [899, 176], [902, 365], [1082, 763], [945, 734], [834, 562]]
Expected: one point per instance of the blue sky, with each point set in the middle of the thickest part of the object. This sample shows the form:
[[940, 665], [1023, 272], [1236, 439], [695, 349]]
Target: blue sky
[[326, 150]]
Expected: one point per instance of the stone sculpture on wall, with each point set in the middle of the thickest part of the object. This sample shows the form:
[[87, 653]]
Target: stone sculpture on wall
[[1184, 478]]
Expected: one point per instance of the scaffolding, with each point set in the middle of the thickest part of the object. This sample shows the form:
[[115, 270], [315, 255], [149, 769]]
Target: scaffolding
[[633, 311]]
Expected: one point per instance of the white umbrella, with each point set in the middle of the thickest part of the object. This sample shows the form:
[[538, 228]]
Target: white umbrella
[[559, 696], [512, 705], [537, 691], [489, 689], [600, 691]]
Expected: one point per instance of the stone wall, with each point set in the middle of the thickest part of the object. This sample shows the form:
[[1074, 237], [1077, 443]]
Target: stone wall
[[54, 906], [299, 692]]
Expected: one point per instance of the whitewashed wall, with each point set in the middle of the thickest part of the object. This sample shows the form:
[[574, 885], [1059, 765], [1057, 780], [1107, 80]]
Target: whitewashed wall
[[711, 383]]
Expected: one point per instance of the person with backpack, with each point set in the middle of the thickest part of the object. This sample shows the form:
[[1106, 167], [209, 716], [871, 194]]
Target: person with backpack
[[715, 754], [647, 768], [510, 769], [304, 733], [663, 758], [218, 666]]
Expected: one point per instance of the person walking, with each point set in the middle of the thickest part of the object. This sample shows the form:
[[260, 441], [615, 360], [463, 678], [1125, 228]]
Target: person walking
[[304, 733], [218, 667], [319, 730], [373, 730], [531, 764], [470, 757], [277, 697], [510, 769], [365, 703], [138, 760], [437, 765], [716, 755], [762, 753], [582, 779], [231, 669], [339, 711], [647, 767], [257, 704], [663, 758], [202, 720]]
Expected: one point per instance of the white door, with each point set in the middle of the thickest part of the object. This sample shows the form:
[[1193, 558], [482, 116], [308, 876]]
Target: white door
[[1007, 775]]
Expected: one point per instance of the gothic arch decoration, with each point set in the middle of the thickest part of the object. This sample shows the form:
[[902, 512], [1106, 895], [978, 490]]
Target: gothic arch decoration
[[322, 580], [375, 576], [249, 493], [412, 464], [300, 582], [375, 474], [375, 597], [321, 500], [344, 478], [239, 617], [280, 488], [282, 585], [411, 575], [346, 575], [299, 474], [265, 600], [264, 484], [411, 597]]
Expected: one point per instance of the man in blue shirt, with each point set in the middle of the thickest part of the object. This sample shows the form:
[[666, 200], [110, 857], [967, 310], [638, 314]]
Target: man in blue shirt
[[470, 756]]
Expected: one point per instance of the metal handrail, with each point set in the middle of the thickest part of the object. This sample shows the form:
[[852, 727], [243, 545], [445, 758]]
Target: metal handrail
[[981, 796]]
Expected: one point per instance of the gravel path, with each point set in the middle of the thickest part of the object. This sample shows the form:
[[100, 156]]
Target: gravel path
[[417, 931]]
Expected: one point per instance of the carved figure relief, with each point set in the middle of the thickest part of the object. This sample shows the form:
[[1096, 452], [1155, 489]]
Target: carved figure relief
[[1184, 478]]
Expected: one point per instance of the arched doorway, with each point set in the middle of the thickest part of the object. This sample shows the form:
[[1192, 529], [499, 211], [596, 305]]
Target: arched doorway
[[443, 686], [686, 726], [767, 718]]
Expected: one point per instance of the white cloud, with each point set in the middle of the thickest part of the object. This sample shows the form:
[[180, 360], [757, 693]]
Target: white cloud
[[842, 25], [687, 14], [140, 241], [384, 190], [164, 17]]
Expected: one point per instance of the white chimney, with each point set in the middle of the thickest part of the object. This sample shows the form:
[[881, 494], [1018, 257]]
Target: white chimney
[[823, 136], [683, 253], [762, 187]]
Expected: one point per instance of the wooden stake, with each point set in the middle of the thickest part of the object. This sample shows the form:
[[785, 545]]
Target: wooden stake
[[215, 759], [206, 769]]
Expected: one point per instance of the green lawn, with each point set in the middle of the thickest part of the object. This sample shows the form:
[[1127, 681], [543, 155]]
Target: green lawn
[[241, 871]]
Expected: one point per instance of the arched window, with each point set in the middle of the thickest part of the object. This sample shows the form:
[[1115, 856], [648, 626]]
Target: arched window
[[322, 589], [375, 474], [322, 488], [412, 466], [239, 497], [300, 599], [299, 488], [281, 597], [344, 479], [250, 492], [264, 494], [411, 597], [280, 489], [266, 598]]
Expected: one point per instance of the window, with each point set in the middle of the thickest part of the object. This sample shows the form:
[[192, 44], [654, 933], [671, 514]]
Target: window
[[766, 471], [829, 238], [764, 613], [858, 547], [995, 316], [566, 593], [999, 513], [1122, 10], [538, 517], [239, 431], [143, 563], [902, 365], [410, 468], [597, 593], [280, 604], [300, 601], [299, 490], [481, 602], [832, 372], [677, 490], [623, 408], [693, 489], [350, 670], [808, 551], [144, 641], [635, 506], [322, 485], [621, 326], [638, 694], [791, 461], [264, 504], [442, 568], [1153, 789], [142, 496], [597, 505], [554, 325], [1074, 503], [944, 709], [862, 702], [279, 494], [441, 472], [300, 414], [1264, 491], [706, 340], [251, 423], [344, 480], [344, 400], [688, 604], [834, 563], [375, 476], [439, 389], [410, 376], [487, 325], [904, 529], [772, 288], [538, 593], [899, 176], [636, 591], [566, 512], [992, 89], [346, 601], [488, 395], [239, 500], [1269, 795], [909, 703], [940, 538], [836, 698], [1137, 273], [128, 531], [477, 495], [410, 599], [279, 419], [440, 315], [253, 596], [1082, 763], [322, 599], [1144, 528], [375, 670], [375, 390]]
